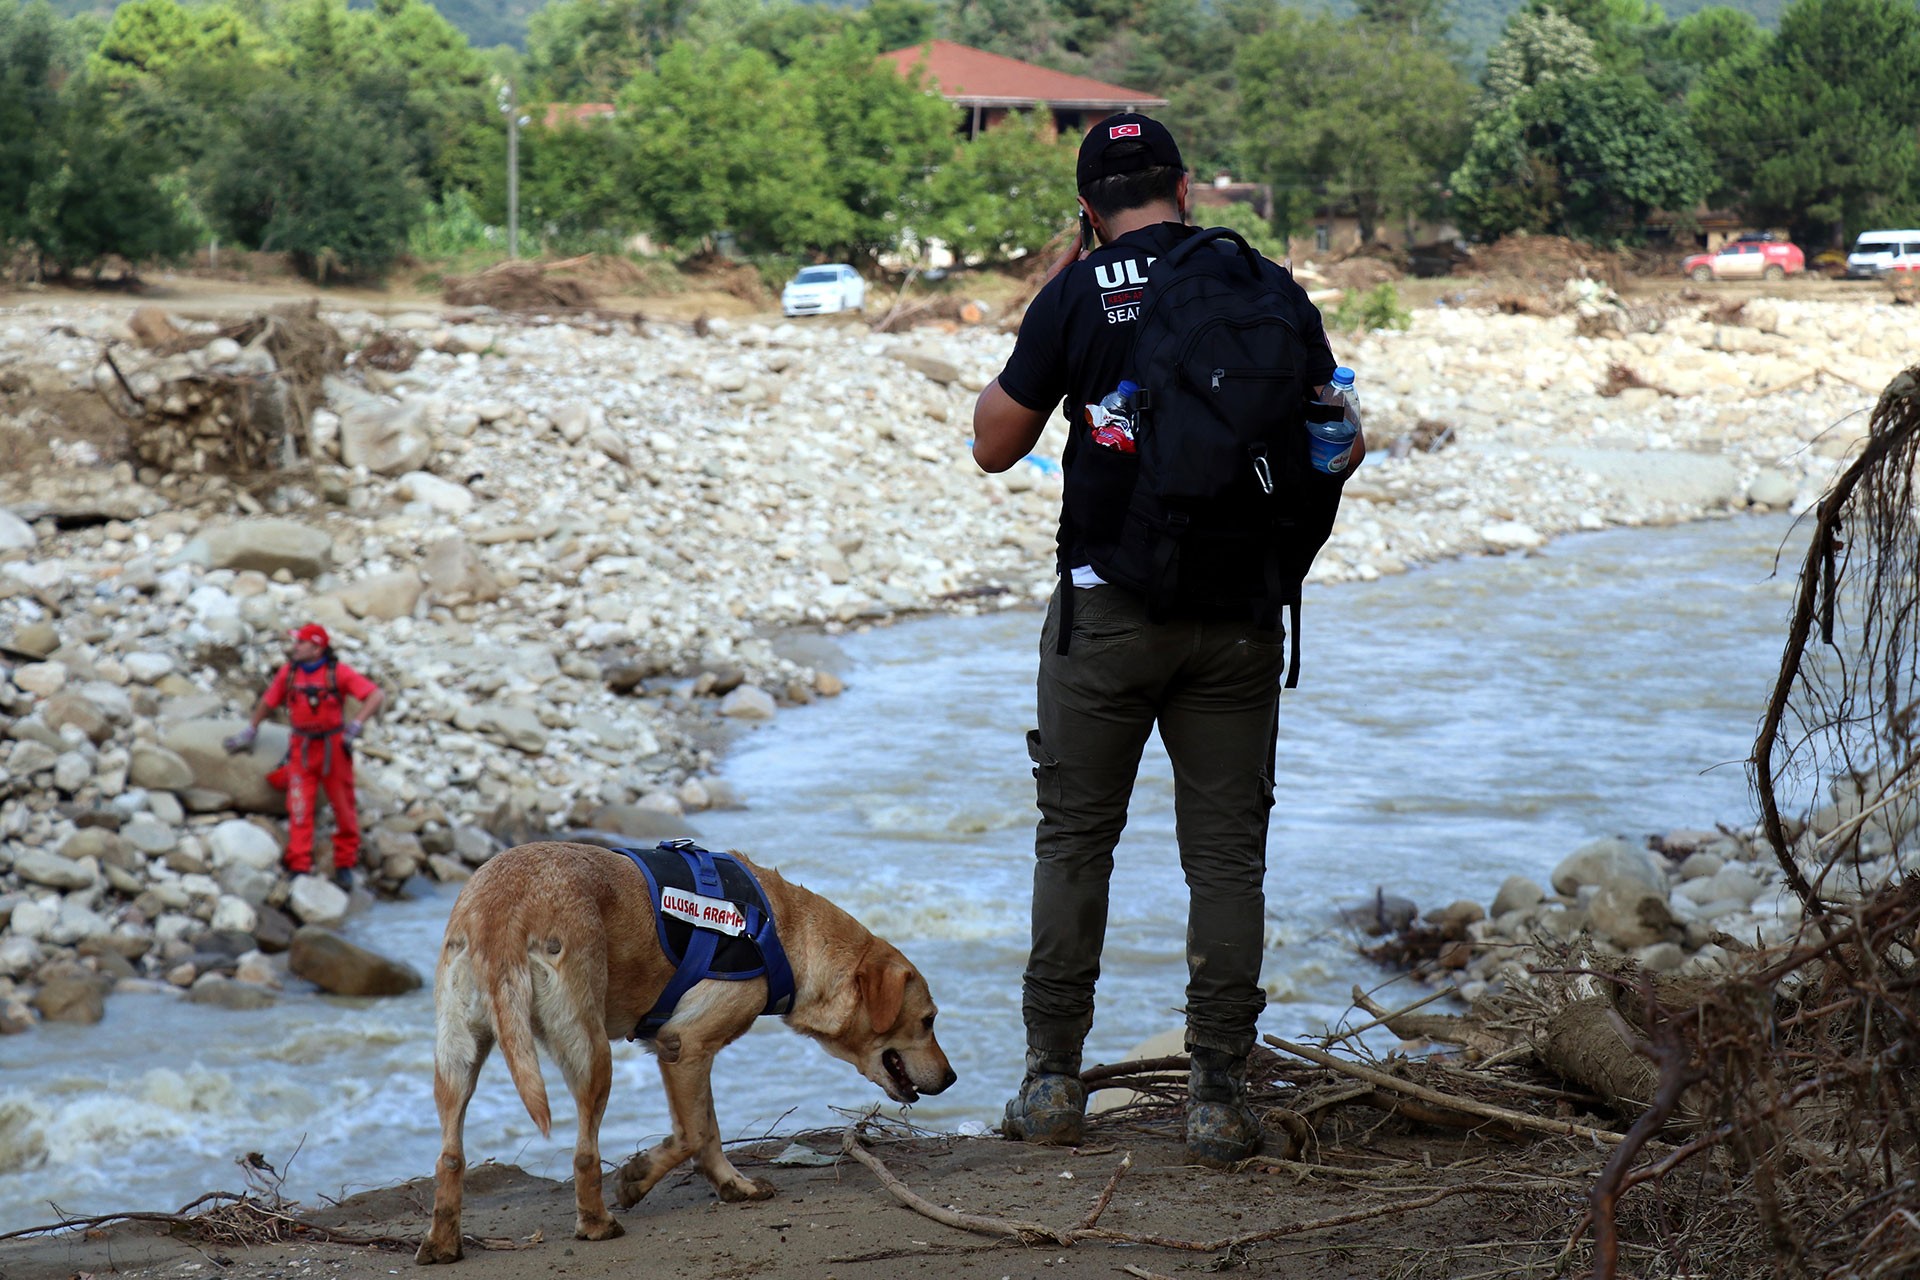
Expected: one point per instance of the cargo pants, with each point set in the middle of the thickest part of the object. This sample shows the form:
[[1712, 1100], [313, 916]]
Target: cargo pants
[[1213, 688]]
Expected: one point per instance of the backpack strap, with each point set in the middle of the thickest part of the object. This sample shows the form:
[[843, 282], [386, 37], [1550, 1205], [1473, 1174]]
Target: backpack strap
[[1192, 245]]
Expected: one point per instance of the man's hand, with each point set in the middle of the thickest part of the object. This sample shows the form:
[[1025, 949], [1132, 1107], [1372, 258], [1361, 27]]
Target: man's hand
[[240, 741], [353, 729]]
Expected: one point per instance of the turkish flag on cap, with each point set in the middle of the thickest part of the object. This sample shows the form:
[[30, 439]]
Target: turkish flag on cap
[[1123, 131]]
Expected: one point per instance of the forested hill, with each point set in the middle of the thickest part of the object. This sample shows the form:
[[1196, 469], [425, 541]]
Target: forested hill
[[1475, 23]]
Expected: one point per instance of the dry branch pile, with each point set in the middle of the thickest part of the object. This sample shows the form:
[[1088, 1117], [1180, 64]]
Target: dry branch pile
[[518, 286], [233, 400]]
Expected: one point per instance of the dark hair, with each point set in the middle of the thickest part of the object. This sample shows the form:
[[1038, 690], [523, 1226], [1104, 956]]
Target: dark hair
[[1123, 191]]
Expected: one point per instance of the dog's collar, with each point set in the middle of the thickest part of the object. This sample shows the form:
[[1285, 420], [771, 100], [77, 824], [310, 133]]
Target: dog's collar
[[695, 962]]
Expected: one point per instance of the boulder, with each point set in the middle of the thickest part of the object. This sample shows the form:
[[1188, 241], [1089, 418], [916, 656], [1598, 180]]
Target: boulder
[[72, 997], [15, 534], [516, 726], [243, 777], [442, 495], [384, 596], [29, 758], [150, 835], [224, 993], [749, 702], [333, 964], [1630, 915], [1609, 861], [273, 929], [148, 668], [1771, 489], [938, 368], [37, 866], [237, 842], [158, 769], [1511, 535], [269, 545], [108, 848], [1517, 893], [387, 439], [33, 639], [313, 900], [67, 708], [43, 679], [456, 574]]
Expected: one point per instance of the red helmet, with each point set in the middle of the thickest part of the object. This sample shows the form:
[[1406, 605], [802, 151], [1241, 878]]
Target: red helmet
[[312, 631]]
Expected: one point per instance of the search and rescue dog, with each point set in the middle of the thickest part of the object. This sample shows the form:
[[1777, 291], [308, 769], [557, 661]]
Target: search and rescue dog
[[558, 943]]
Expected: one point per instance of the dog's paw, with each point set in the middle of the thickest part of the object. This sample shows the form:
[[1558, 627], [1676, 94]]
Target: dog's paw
[[609, 1229], [431, 1252], [746, 1189]]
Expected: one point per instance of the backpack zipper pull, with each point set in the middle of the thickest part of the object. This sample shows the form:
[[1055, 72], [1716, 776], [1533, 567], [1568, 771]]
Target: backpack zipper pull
[[1217, 375]]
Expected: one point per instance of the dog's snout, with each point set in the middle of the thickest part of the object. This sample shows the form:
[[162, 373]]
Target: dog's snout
[[946, 1082]]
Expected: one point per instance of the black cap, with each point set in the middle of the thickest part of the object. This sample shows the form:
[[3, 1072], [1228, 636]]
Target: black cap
[[1142, 143]]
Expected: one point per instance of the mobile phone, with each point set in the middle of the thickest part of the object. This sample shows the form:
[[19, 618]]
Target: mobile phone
[[1086, 231]]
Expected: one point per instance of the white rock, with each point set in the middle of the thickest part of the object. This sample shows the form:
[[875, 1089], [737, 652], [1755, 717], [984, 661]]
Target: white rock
[[235, 915], [237, 841], [37, 866], [148, 667], [41, 678], [314, 900], [148, 835], [749, 702], [441, 495], [15, 534], [1511, 535]]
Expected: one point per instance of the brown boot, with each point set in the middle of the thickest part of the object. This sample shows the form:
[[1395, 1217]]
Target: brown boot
[[1222, 1129]]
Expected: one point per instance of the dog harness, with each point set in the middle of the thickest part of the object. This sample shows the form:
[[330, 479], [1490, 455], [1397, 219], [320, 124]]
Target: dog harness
[[714, 922]]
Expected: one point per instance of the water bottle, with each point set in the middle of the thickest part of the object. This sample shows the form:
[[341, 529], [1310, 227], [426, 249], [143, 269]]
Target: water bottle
[[1112, 419], [1331, 428]]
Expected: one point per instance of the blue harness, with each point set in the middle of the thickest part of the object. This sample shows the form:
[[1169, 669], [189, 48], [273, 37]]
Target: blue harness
[[701, 952]]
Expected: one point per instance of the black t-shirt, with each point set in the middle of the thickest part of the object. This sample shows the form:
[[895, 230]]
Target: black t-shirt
[[1078, 333]]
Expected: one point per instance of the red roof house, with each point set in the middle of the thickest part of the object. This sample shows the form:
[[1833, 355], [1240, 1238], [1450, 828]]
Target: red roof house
[[991, 85]]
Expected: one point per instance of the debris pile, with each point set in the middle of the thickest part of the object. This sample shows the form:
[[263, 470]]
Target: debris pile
[[230, 401]]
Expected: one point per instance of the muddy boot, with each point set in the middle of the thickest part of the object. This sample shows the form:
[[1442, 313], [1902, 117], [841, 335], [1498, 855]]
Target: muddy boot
[[1221, 1128], [1051, 1107]]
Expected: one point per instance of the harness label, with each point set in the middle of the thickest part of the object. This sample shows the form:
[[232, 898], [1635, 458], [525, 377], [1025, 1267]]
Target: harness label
[[702, 912]]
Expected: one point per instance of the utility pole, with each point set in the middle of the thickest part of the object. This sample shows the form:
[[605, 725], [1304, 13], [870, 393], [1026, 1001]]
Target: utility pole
[[511, 110]]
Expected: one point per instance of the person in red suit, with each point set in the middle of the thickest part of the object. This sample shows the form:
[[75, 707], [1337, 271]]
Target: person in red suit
[[314, 687]]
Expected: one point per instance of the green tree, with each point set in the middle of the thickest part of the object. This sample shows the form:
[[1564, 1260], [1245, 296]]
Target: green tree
[[1535, 48], [895, 24], [309, 172], [1353, 114], [586, 50], [1816, 126], [1007, 193], [1585, 156], [723, 142], [29, 109], [149, 40], [884, 134], [102, 192], [574, 180]]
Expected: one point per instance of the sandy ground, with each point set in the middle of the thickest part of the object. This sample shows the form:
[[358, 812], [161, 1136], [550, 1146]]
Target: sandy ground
[[839, 1222]]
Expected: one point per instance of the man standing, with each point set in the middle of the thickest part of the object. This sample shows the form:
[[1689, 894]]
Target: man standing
[[1112, 666], [314, 687]]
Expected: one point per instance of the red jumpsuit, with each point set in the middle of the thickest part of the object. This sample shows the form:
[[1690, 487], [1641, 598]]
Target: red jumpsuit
[[318, 758]]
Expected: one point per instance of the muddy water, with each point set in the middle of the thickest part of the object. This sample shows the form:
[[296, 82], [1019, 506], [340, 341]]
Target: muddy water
[[1453, 727]]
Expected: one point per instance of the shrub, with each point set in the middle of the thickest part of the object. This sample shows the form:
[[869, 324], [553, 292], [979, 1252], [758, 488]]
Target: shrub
[[1377, 308]]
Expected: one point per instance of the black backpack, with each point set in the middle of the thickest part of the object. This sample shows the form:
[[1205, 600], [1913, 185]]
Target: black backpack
[[1220, 513]]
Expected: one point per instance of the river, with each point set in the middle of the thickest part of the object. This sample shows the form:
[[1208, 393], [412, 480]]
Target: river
[[1454, 726]]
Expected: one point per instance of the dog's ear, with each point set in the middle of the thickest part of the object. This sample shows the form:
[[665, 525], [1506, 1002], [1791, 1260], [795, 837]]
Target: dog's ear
[[883, 989]]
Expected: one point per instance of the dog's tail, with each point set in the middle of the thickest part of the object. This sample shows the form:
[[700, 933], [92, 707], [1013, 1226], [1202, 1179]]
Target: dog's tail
[[510, 987]]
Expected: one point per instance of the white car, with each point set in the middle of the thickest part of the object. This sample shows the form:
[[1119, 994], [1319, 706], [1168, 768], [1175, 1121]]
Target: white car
[[819, 291], [1878, 252]]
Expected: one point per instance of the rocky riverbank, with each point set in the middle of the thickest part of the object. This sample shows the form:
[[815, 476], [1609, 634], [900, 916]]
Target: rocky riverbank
[[580, 556]]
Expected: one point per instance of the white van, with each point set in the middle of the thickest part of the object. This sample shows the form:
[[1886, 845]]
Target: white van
[[1877, 252]]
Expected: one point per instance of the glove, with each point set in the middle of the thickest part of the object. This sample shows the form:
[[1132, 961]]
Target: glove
[[353, 729], [240, 741]]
